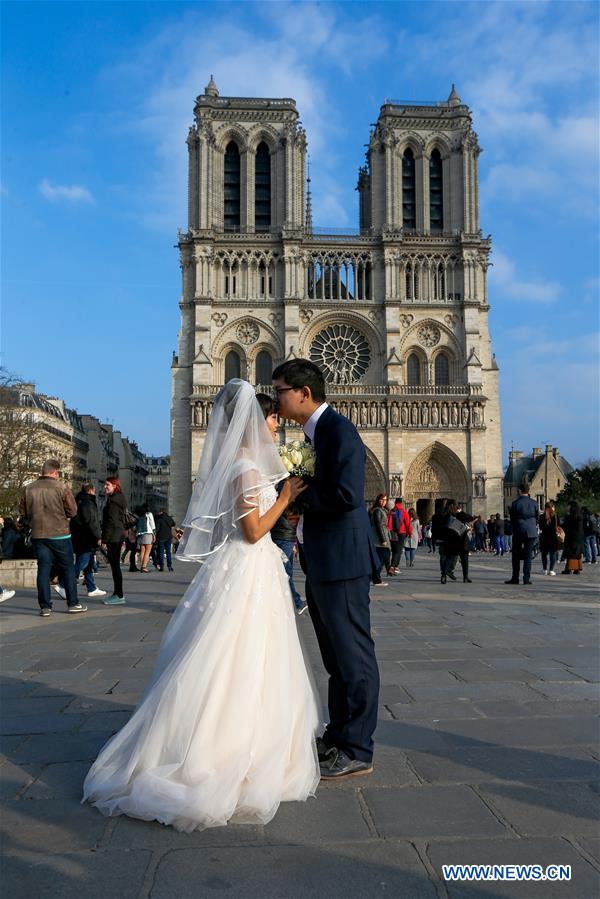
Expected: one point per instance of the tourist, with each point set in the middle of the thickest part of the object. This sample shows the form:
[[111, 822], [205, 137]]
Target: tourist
[[164, 539], [427, 537], [48, 505], [573, 545], [379, 531], [412, 541], [4, 594], [146, 535], [393, 537], [86, 534], [590, 528], [401, 526], [524, 515], [130, 548], [113, 526], [11, 539], [548, 524], [507, 534], [438, 537], [480, 530], [499, 535]]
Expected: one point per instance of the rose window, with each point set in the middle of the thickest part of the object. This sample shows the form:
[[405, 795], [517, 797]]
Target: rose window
[[342, 353]]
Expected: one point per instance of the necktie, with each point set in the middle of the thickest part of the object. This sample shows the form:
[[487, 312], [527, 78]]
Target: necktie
[[307, 439]]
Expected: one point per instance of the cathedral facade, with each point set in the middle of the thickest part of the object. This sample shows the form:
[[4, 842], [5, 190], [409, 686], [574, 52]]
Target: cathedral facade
[[395, 312]]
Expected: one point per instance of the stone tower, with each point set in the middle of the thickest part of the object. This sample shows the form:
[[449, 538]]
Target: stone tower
[[395, 312]]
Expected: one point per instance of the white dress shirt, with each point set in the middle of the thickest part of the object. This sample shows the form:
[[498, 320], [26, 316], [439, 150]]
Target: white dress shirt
[[311, 425]]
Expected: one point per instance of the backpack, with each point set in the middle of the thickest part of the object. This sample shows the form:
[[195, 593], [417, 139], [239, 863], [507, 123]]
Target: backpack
[[398, 522]]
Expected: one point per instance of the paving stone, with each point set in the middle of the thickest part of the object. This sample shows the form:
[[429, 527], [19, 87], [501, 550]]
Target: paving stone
[[405, 735], [57, 825], [338, 871], [434, 711], [58, 781], [55, 748], [584, 884], [427, 812], [573, 690], [474, 691], [312, 821], [525, 732], [95, 875], [40, 724], [108, 722], [14, 778], [476, 765], [542, 809], [152, 835]]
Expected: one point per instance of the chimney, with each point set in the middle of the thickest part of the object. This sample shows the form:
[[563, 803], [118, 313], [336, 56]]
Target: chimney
[[537, 452], [548, 449], [515, 455], [555, 452]]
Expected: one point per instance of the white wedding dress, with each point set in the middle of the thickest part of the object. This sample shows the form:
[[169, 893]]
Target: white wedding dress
[[226, 729]]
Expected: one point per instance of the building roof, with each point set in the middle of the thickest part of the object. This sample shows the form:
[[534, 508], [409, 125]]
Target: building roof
[[521, 467]]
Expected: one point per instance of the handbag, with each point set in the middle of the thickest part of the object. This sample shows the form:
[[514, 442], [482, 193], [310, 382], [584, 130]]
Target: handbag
[[129, 520], [560, 535], [458, 528]]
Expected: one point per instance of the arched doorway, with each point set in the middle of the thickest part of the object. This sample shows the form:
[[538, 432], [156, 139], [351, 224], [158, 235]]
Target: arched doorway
[[436, 473], [375, 480]]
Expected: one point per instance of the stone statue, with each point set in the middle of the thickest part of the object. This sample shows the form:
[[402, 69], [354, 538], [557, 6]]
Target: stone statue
[[404, 415], [394, 415], [454, 415], [414, 415], [354, 413], [373, 415], [445, 415], [464, 416], [435, 415], [425, 415], [383, 415], [364, 414]]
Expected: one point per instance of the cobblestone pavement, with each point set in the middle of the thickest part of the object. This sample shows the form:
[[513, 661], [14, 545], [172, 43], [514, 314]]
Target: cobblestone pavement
[[487, 750]]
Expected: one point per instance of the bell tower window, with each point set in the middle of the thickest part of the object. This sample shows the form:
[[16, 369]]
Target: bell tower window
[[409, 206], [233, 366], [262, 188], [231, 187], [442, 369], [413, 370], [436, 192], [264, 367]]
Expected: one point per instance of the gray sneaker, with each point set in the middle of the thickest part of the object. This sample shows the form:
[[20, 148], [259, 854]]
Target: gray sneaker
[[73, 610], [45, 612]]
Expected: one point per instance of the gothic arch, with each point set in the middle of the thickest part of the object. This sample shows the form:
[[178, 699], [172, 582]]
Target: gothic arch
[[235, 133], [436, 473], [259, 133], [447, 339], [219, 362], [375, 479], [412, 140], [437, 142], [374, 372], [226, 339]]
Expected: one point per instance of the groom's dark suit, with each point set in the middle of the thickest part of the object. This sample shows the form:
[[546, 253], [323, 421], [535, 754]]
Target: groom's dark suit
[[339, 560]]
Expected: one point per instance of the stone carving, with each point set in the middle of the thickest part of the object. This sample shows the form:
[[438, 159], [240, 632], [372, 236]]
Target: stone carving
[[383, 415], [342, 352], [364, 414], [306, 315], [373, 415], [464, 416], [275, 317], [395, 415], [429, 335], [425, 416], [406, 320], [479, 485], [247, 332], [354, 413], [454, 415], [404, 414], [219, 318], [414, 415], [435, 416], [375, 315], [445, 415], [450, 319]]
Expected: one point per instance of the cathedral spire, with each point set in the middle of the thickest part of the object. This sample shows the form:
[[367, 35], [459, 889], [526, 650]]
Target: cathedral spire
[[308, 217], [454, 99], [211, 89]]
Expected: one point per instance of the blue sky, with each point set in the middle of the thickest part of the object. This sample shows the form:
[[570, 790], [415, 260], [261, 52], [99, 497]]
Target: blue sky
[[97, 99]]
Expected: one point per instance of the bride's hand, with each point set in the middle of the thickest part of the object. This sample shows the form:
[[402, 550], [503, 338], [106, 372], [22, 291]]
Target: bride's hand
[[292, 488]]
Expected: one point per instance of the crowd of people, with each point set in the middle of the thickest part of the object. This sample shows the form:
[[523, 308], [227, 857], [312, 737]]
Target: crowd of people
[[66, 535]]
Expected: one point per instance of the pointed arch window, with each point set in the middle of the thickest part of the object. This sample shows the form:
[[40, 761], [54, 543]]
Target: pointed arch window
[[231, 187], [436, 192], [442, 369], [262, 188], [413, 370], [264, 367], [233, 366], [409, 205]]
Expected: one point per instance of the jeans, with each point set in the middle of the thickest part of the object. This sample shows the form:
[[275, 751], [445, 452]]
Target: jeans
[[113, 554], [589, 548], [384, 553], [499, 544], [287, 548], [164, 546], [397, 547], [57, 554], [447, 561], [85, 562], [549, 559], [409, 552]]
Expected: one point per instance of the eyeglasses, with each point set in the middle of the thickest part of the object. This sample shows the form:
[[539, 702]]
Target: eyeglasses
[[280, 390]]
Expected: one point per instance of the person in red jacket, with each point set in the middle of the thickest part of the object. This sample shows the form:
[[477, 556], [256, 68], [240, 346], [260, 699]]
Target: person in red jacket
[[402, 528]]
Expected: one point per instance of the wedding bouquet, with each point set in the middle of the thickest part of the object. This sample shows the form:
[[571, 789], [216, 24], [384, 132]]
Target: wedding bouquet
[[299, 458]]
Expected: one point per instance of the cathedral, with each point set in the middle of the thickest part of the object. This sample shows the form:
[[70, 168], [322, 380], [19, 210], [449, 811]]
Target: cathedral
[[395, 312]]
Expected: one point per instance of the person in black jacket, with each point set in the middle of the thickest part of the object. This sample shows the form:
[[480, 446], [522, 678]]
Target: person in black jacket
[[164, 539], [573, 545], [113, 526], [86, 534], [524, 515], [455, 530]]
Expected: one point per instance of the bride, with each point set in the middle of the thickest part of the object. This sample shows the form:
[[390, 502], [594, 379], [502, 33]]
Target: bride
[[226, 728]]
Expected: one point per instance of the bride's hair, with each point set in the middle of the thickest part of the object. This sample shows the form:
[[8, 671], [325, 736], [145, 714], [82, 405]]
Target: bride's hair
[[266, 403]]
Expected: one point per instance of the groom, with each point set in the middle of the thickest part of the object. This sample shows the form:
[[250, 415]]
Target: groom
[[339, 562]]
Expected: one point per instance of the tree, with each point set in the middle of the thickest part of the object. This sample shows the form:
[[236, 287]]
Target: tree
[[23, 447], [582, 486]]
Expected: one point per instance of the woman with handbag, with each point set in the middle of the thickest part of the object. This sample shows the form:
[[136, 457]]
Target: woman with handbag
[[379, 532], [549, 538], [573, 545], [113, 526]]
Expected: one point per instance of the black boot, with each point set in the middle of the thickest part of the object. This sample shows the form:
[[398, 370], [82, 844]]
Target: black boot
[[443, 579]]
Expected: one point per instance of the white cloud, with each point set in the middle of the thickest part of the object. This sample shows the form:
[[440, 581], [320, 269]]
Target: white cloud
[[504, 282], [73, 193]]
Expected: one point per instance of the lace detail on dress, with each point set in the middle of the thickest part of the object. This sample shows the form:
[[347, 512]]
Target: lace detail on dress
[[266, 499]]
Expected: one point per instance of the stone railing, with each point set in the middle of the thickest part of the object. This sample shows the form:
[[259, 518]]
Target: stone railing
[[385, 412], [361, 390]]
